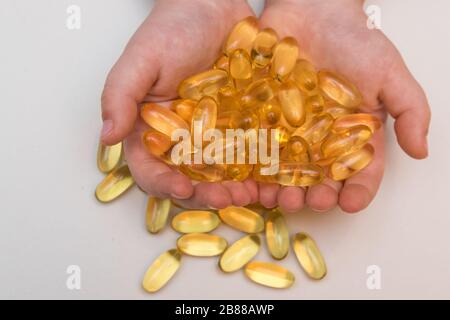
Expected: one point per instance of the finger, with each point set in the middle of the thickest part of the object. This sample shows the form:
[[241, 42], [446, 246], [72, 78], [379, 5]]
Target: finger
[[239, 193], [359, 190], [406, 101], [268, 193], [252, 188], [325, 196], [291, 199], [207, 195]]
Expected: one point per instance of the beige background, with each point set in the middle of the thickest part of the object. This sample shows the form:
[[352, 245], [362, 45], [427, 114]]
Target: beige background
[[51, 79]]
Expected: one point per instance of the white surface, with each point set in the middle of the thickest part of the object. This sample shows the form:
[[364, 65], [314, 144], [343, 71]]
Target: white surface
[[51, 80]]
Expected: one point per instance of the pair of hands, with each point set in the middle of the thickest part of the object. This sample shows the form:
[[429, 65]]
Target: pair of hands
[[181, 38]]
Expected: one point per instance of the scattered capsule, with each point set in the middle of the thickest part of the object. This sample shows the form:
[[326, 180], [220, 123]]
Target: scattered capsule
[[162, 270], [162, 119], [292, 174], [350, 164], [108, 157], [156, 142], [338, 89], [242, 36], [351, 120], [157, 213], [284, 58], [240, 65], [242, 219], [195, 221], [262, 50], [309, 256], [305, 76], [203, 118], [184, 108], [222, 63], [298, 150], [239, 172], [316, 128], [206, 83], [259, 92], [277, 235], [240, 253], [346, 141], [114, 184], [269, 274], [201, 244], [204, 172], [292, 104]]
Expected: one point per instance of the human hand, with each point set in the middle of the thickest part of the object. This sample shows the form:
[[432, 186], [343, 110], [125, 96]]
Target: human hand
[[178, 39], [334, 36]]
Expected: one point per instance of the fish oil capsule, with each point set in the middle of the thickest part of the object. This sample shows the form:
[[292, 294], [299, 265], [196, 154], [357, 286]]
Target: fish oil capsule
[[226, 120], [269, 274], [195, 221], [298, 150], [309, 256], [228, 99], [305, 76], [277, 235], [162, 119], [261, 73], [239, 172], [282, 135], [240, 65], [293, 174], [162, 270], [337, 111], [157, 213], [242, 219], [156, 142], [315, 129], [108, 157], [222, 63], [350, 164], [204, 172], [204, 118], [262, 50], [317, 156], [247, 119], [240, 253], [201, 244], [206, 83], [339, 89], [346, 141], [351, 120], [184, 108], [292, 104], [284, 58], [314, 104], [259, 92], [114, 184], [242, 36], [270, 112]]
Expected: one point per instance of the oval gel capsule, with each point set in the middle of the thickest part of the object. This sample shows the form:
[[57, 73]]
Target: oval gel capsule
[[316, 128], [277, 235], [240, 65], [114, 184], [242, 219], [292, 104], [345, 141], [203, 84], [108, 157], [351, 120], [201, 244], [156, 142], [284, 58], [339, 89], [204, 118], [161, 270], [157, 213], [184, 108], [305, 76], [262, 50], [195, 221], [162, 119], [242, 36], [269, 274], [240, 253], [309, 256], [350, 164]]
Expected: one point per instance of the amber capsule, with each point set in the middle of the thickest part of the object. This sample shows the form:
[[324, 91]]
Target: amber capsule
[[157, 213], [240, 65], [270, 112], [184, 108], [240, 253], [339, 89], [351, 120], [309, 256], [352, 163], [314, 104], [242, 36], [315, 129], [305, 76], [277, 234], [162, 270], [206, 83], [317, 156], [204, 172], [292, 174], [292, 104], [247, 119], [228, 99], [269, 274], [242, 219], [204, 118], [284, 58], [226, 119], [337, 111], [222, 63], [114, 184], [108, 157], [282, 135], [261, 73], [298, 150], [195, 221], [162, 119], [239, 172], [156, 142], [345, 141], [259, 92], [262, 50], [201, 244]]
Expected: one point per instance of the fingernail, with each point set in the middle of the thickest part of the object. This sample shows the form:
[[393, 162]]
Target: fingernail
[[212, 208], [107, 128], [176, 196]]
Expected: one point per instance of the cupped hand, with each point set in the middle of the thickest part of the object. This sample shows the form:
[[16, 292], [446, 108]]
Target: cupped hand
[[334, 35], [178, 39]]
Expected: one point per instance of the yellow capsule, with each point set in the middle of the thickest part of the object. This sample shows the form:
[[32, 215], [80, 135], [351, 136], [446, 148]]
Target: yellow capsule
[[309, 256], [247, 119], [282, 135], [305, 76], [292, 104], [317, 156], [206, 83], [203, 172], [228, 99], [350, 164], [222, 63], [184, 108], [284, 58], [156, 142], [201, 244], [262, 50], [298, 150], [242, 36], [315, 129], [195, 221], [162, 270], [269, 274], [242, 219], [339, 89], [162, 119], [346, 141], [240, 65], [226, 119], [283, 123], [277, 235], [241, 84], [115, 184], [314, 104], [108, 157], [240, 253], [239, 172], [337, 111], [203, 118], [261, 73], [351, 120], [292, 174], [157, 213], [270, 112], [259, 92]]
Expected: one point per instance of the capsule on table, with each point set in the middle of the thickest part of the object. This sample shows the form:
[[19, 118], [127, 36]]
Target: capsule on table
[[204, 118], [262, 50], [157, 213], [316, 128], [242, 36], [298, 150], [204, 172], [270, 112], [350, 164], [202, 84], [309, 256], [259, 92], [184, 108], [292, 174], [240, 65], [162, 119], [108, 157], [277, 234], [195, 221], [346, 141], [240, 253], [284, 58], [156, 142], [222, 63], [239, 172], [114, 184], [351, 120], [242, 219], [162, 270], [201, 244], [339, 89], [292, 104], [228, 99], [305, 76], [269, 274]]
